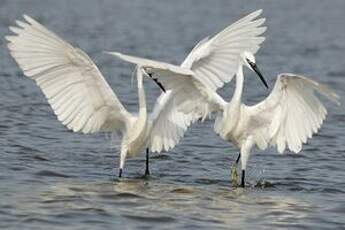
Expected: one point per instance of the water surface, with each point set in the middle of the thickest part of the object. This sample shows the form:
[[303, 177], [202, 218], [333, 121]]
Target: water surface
[[51, 178]]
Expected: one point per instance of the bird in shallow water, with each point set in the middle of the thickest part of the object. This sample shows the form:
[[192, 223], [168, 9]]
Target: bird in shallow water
[[290, 115], [82, 99], [84, 102]]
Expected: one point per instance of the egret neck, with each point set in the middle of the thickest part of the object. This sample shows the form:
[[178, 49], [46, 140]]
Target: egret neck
[[231, 113], [138, 133], [236, 99]]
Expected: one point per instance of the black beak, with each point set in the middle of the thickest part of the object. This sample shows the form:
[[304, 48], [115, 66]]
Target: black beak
[[157, 82], [257, 71]]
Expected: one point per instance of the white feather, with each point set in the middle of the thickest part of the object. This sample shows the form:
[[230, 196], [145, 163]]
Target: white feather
[[73, 85]]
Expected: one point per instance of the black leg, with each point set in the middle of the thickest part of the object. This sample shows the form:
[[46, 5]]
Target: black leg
[[242, 178], [120, 172], [147, 171]]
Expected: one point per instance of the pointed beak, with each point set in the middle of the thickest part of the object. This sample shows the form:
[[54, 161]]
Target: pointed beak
[[155, 80], [257, 71]]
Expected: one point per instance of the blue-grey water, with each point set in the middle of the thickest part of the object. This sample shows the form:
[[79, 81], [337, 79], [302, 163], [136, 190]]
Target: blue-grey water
[[51, 178]]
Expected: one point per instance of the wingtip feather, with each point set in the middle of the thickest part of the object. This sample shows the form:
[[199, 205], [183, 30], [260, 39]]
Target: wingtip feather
[[117, 54], [255, 13], [259, 21], [28, 18], [9, 38], [14, 29], [21, 23], [263, 28]]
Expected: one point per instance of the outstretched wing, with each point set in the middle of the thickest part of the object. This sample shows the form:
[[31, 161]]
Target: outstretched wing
[[214, 61], [168, 123], [290, 114], [73, 85], [171, 76], [155, 66], [173, 114]]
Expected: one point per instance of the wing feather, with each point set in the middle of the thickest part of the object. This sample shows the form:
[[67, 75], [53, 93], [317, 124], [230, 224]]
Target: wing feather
[[168, 123], [73, 85], [292, 112], [224, 50]]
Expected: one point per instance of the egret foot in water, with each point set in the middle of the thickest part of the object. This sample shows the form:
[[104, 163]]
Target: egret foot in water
[[242, 179], [120, 172], [234, 175]]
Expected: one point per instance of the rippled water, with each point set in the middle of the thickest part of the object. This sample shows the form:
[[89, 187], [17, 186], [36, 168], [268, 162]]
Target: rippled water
[[51, 178]]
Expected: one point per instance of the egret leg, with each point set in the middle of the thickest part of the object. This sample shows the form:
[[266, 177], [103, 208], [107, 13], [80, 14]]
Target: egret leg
[[120, 172], [242, 178], [245, 152], [147, 171], [238, 158], [234, 174]]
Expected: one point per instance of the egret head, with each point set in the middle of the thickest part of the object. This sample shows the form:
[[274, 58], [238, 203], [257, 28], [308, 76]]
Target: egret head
[[150, 74], [249, 60]]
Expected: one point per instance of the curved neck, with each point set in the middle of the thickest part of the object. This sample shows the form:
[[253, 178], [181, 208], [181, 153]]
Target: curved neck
[[239, 85], [141, 94]]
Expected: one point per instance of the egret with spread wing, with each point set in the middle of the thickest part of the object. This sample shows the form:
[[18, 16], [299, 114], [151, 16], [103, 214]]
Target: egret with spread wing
[[78, 93], [290, 115], [84, 102]]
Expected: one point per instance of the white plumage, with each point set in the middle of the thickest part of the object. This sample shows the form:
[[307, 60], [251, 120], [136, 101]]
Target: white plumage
[[84, 102], [76, 90], [286, 118], [73, 85], [212, 63], [290, 115]]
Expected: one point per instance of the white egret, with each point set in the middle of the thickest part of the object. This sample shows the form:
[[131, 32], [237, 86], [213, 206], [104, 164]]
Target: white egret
[[83, 101], [290, 115], [286, 118], [78, 93]]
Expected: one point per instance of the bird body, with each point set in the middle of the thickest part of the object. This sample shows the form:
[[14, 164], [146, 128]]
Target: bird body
[[135, 137], [82, 99], [290, 115]]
